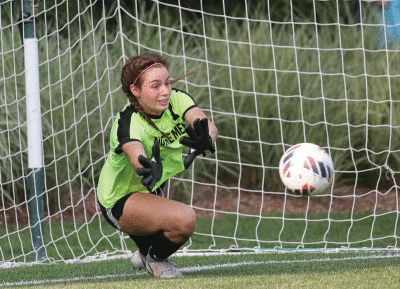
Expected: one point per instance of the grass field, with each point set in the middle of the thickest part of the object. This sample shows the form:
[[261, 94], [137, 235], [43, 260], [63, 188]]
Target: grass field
[[280, 269], [77, 241], [269, 270], [293, 83]]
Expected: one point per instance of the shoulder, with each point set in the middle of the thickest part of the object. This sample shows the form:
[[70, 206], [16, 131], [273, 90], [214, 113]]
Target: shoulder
[[129, 124], [181, 102], [126, 116], [180, 95], [127, 111]]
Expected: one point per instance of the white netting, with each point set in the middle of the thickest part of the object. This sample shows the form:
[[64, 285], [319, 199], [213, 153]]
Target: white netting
[[270, 75]]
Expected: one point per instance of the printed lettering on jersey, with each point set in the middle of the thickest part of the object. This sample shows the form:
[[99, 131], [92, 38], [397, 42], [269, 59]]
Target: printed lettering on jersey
[[175, 134]]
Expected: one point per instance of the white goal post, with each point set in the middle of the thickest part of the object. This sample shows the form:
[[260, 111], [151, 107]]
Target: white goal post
[[269, 76]]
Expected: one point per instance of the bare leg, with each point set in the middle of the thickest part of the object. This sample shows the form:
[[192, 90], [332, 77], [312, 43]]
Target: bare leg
[[146, 214]]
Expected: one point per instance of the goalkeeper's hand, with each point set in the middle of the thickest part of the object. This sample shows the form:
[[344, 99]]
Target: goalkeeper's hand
[[199, 140], [152, 168]]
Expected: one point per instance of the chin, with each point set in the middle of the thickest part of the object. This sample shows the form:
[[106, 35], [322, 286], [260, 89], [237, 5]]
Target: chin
[[162, 107], [159, 109]]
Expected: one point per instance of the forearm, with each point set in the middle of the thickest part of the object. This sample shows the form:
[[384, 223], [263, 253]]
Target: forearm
[[133, 150], [213, 131]]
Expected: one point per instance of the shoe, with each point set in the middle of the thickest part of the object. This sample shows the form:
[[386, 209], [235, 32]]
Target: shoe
[[138, 260], [162, 269]]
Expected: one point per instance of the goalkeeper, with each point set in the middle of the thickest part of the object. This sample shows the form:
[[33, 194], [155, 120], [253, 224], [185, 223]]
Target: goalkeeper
[[146, 143]]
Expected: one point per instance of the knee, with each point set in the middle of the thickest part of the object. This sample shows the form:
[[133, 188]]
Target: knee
[[187, 222]]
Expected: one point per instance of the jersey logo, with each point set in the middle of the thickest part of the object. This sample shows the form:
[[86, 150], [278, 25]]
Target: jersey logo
[[175, 134]]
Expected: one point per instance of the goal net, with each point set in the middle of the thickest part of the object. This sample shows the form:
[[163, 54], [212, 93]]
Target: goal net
[[269, 75]]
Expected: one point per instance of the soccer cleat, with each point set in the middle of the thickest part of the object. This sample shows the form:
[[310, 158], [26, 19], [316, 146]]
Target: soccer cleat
[[162, 269], [138, 260]]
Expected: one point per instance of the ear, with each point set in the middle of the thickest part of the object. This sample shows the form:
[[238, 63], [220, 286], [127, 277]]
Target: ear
[[135, 91]]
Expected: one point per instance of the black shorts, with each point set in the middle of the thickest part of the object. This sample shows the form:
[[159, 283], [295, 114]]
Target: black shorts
[[112, 215]]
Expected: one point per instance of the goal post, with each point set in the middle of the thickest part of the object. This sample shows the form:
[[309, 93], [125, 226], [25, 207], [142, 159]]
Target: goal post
[[28, 31], [270, 75]]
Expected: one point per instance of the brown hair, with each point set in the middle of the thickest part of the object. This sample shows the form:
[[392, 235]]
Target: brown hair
[[132, 73], [133, 67]]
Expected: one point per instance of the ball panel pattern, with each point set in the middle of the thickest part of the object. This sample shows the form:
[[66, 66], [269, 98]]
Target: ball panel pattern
[[306, 169]]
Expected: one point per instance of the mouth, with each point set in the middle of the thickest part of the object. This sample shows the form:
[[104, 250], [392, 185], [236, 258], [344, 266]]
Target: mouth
[[163, 102]]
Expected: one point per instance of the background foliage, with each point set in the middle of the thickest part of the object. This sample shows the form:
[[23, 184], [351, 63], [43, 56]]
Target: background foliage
[[298, 81]]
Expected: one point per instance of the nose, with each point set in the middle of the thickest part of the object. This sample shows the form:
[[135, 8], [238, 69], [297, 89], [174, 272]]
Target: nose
[[166, 89]]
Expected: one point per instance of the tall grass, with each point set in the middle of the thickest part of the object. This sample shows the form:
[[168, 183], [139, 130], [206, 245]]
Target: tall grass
[[331, 85]]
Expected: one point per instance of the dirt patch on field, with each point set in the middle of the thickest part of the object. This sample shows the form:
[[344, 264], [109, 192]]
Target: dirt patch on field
[[343, 199], [208, 199], [80, 207]]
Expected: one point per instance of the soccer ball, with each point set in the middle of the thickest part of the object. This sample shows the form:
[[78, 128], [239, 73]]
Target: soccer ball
[[306, 169]]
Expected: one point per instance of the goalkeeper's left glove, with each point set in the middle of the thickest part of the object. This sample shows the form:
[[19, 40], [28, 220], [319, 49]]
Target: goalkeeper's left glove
[[199, 140]]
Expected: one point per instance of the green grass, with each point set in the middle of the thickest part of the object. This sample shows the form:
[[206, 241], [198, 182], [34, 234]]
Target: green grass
[[77, 241], [239, 271]]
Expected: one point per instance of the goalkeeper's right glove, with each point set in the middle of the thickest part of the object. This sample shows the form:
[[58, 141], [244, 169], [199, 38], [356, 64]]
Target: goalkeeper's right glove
[[152, 168]]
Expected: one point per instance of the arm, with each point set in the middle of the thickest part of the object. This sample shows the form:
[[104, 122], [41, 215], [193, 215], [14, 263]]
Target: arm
[[132, 150], [194, 113]]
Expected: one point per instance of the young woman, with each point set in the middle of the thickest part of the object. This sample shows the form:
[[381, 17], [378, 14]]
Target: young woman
[[146, 149]]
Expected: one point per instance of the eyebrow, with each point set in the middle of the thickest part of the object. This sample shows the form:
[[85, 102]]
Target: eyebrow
[[157, 80]]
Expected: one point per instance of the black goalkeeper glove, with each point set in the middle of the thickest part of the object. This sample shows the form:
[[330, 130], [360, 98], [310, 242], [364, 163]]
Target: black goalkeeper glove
[[152, 168], [199, 140]]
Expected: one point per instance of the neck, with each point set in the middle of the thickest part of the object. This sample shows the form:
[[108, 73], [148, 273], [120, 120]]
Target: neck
[[152, 111]]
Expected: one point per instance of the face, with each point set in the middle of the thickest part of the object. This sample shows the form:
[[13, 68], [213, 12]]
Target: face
[[155, 91]]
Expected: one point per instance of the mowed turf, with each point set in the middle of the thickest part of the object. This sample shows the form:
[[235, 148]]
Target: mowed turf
[[368, 278], [269, 270]]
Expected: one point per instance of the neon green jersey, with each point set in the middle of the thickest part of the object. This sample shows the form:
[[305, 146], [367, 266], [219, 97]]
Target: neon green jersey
[[118, 177]]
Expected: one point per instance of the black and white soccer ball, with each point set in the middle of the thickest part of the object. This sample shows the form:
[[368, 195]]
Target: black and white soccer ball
[[306, 169]]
